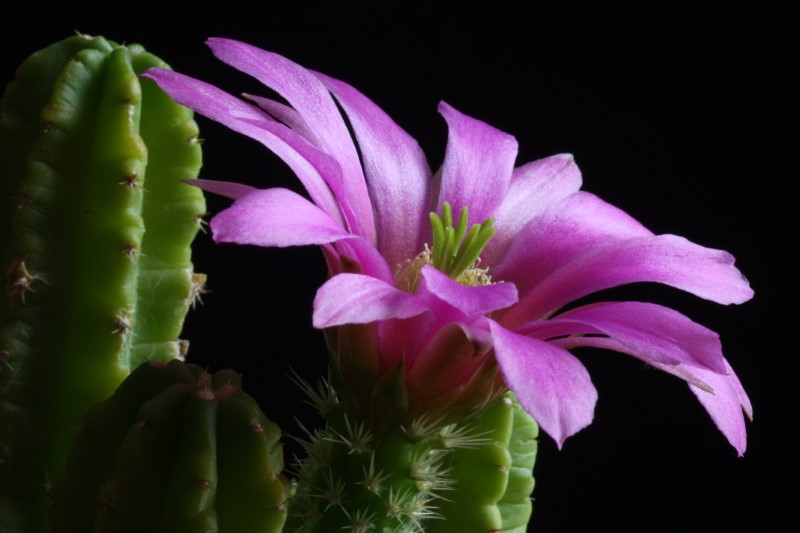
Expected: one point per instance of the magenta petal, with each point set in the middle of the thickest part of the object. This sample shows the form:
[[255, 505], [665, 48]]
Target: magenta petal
[[722, 395], [227, 189], [360, 299], [319, 173], [311, 99], [275, 217], [285, 114], [368, 259], [471, 301], [667, 259], [562, 232], [397, 174], [654, 332], [726, 404], [534, 188], [478, 163], [613, 345], [549, 382]]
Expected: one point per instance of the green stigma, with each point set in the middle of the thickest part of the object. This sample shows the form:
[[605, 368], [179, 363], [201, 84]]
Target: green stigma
[[455, 251]]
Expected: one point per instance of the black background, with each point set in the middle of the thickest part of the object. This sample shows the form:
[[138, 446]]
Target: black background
[[674, 117]]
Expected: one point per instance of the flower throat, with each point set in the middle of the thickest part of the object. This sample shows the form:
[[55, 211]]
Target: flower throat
[[455, 251]]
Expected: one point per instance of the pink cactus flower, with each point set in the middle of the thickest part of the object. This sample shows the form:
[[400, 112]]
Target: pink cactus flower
[[463, 279]]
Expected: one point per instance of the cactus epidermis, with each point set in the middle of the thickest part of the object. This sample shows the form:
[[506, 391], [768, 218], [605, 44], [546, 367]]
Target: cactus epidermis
[[95, 228]]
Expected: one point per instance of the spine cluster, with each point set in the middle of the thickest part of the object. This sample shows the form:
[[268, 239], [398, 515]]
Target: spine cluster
[[95, 228]]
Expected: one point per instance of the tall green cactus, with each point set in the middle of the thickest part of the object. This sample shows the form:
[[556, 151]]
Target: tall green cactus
[[95, 227], [175, 449]]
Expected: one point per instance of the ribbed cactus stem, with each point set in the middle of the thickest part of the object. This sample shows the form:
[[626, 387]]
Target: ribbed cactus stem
[[95, 229], [175, 449]]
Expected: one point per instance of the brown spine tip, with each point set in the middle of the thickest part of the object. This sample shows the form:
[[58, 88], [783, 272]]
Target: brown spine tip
[[18, 281], [131, 181], [23, 199], [204, 379], [226, 390], [202, 484], [255, 427], [122, 324], [206, 394], [183, 348], [130, 251]]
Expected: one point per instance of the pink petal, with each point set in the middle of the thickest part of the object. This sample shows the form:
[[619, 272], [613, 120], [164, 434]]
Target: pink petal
[[667, 259], [534, 188], [722, 395], [275, 217], [478, 163], [654, 332], [469, 302], [310, 98], [614, 345], [360, 299], [398, 176], [568, 228], [725, 405], [319, 173], [549, 382], [285, 114], [227, 189], [361, 257]]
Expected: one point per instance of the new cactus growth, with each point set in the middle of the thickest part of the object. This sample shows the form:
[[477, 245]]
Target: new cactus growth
[[424, 476], [175, 449], [95, 228]]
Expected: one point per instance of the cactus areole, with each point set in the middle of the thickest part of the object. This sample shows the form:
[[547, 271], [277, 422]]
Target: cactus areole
[[95, 232]]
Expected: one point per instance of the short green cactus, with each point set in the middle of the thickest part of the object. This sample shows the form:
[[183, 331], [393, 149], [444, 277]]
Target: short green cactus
[[472, 476], [175, 449], [95, 228]]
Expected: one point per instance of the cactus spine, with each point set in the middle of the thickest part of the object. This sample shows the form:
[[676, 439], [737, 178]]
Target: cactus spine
[[95, 227], [175, 449]]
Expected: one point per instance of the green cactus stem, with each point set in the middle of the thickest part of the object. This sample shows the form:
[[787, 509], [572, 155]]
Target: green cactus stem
[[473, 476], [175, 449], [95, 229]]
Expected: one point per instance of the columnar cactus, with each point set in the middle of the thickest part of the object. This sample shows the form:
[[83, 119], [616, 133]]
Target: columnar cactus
[[361, 475], [95, 227], [175, 449]]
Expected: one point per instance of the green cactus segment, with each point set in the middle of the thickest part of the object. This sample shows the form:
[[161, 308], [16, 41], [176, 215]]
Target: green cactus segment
[[472, 476], [493, 481], [174, 449], [95, 230], [174, 154]]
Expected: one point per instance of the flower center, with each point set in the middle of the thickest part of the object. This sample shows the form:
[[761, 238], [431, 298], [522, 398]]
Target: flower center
[[455, 251]]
